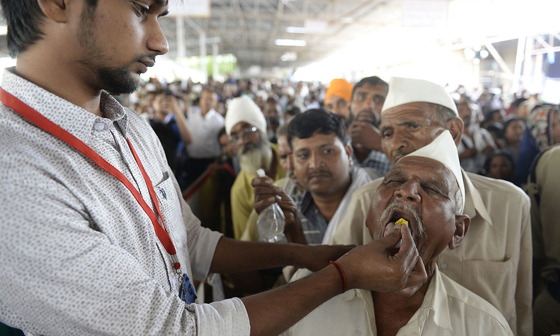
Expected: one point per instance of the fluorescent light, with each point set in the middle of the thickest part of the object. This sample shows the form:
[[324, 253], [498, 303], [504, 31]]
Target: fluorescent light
[[296, 30], [290, 43], [3, 30]]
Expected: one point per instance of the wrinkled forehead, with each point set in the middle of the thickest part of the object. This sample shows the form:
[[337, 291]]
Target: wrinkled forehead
[[409, 110], [427, 170]]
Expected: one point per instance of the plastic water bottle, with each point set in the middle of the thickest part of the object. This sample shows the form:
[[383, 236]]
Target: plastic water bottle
[[271, 221]]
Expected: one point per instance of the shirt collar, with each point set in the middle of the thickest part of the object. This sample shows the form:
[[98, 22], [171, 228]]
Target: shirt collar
[[74, 119], [473, 201], [437, 301]]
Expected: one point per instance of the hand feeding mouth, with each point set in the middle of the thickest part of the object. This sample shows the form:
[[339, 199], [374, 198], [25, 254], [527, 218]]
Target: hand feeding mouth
[[394, 213]]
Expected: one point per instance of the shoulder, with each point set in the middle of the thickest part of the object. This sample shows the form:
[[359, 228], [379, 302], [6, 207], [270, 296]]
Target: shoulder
[[464, 304], [489, 187]]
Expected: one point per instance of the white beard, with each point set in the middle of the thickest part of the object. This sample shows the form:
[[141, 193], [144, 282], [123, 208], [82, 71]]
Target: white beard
[[260, 157]]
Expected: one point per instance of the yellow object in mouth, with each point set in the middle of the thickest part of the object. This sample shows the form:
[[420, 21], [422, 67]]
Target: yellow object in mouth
[[402, 221]]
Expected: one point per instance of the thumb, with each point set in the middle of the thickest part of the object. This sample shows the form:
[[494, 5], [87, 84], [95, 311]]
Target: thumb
[[392, 238]]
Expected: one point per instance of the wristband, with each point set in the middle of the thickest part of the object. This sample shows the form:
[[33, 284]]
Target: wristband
[[342, 275]]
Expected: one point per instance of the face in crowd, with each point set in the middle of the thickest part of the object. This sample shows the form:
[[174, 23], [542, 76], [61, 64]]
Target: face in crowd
[[367, 102], [286, 159], [423, 192], [339, 106], [208, 100], [408, 127]]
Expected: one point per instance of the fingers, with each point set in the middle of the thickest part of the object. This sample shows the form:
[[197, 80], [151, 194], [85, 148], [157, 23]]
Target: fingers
[[261, 181], [392, 239], [264, 203]]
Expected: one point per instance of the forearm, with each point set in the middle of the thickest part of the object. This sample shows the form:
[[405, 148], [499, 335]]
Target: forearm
[[234, 256], [184, 130], [273, 312]]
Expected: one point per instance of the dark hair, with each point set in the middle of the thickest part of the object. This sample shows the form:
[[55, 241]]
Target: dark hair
[[495, 153], [293, 111], [371, 81], [305, 125], [24, 18], [496, 127], [221, 132], [509, 121]]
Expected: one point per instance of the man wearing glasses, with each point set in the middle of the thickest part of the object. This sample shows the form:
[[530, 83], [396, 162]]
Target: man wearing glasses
[[246, 127], [367, 101]]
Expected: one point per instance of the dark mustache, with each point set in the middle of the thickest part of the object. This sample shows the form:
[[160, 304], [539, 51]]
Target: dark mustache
[[248, 147], [317, 173]]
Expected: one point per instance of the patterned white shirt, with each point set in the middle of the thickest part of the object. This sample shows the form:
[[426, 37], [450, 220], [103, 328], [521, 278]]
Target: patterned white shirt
[[79, 256]]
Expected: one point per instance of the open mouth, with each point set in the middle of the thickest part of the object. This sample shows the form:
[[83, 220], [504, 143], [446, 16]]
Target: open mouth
[[394, 216]]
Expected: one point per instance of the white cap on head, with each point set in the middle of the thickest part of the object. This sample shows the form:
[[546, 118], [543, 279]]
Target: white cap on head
[[244, 109], [444, 150], [408, 90]]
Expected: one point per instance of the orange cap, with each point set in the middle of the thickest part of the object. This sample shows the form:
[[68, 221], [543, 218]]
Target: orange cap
[[341, 88]]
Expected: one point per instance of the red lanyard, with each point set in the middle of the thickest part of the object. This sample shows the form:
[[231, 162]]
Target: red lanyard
[[48, 126]]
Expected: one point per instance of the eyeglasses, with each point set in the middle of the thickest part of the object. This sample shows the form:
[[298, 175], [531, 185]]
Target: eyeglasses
[[245, 132]]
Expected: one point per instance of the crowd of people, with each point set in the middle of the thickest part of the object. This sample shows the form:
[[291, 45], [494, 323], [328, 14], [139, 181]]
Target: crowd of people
[[319, 144], [407, 209]]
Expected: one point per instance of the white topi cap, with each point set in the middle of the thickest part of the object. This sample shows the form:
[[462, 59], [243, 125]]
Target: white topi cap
[[408, 90], [444, 150], [244, 109]]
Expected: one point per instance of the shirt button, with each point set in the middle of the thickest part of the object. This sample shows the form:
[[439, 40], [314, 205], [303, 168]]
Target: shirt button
[[99, 126], [443, 265]]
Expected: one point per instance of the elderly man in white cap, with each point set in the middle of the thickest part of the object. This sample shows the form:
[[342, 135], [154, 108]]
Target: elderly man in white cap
[[495, 259], [246, 127], [425, 191]]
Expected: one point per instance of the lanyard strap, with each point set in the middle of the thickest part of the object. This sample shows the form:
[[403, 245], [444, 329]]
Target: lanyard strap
[[48, 126]]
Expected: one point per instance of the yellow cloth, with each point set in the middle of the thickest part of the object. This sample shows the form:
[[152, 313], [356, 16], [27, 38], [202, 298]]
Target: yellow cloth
[[243, 197], [341, 88], [494, 260]]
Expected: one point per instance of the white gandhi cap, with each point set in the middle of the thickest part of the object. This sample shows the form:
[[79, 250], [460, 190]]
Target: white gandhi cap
[[444, 150], [408, 90]]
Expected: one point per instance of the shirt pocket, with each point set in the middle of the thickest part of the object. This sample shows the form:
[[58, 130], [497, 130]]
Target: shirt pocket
[[494, 281]]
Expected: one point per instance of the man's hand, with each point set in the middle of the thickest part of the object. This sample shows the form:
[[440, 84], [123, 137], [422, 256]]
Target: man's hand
[[373, 267], [267, 194], [364, 136]]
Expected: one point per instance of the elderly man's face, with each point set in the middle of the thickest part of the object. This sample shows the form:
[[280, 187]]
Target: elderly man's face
[[321, 163], [408, 127], [422, 191], [245, 137]]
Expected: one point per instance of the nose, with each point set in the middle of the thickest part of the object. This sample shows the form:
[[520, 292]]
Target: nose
[[290, 162], [409, 192], [314, 161], [156, 40]]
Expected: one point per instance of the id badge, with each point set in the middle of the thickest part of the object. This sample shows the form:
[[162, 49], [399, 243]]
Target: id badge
[[186, 290]]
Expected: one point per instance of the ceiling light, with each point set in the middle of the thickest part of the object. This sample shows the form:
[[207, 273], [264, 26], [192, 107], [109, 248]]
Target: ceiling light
[[296, 30], [290, 43], [3, 30]]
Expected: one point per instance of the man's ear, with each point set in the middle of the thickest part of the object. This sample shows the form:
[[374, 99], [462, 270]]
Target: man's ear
[[455, 126], [462, 223], [55, 10], [349, 152]]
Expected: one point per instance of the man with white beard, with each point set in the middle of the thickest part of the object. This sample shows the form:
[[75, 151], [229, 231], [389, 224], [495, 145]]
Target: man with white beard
[[246, 128]]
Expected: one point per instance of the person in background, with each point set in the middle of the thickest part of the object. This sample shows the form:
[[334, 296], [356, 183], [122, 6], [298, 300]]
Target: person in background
[[514, 128], [368, 97], [494, 116], [324, 168], [424, 188], [205, 124], [291, 112], [542, 131], [172, 129], [497, 132], [246, 127], [337, 99], [476, 143], [500, 165], [493, 261], [544, 189]]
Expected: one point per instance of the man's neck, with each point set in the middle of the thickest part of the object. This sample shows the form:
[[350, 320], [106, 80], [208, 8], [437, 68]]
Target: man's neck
[[393, 311], [47, 73], [204, 112], [328, 203]]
